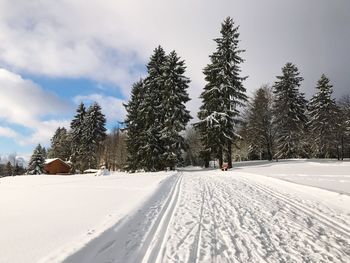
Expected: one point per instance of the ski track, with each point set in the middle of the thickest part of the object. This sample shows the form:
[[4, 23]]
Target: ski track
[[213, 217]]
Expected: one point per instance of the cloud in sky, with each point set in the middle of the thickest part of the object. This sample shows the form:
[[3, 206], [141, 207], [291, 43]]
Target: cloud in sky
[[110, 41], [25, 104], [8, 132], [112, 107]]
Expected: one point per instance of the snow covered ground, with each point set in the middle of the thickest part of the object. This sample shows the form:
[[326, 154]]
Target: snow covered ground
[[47, 217], [327, 174], [247, 214]]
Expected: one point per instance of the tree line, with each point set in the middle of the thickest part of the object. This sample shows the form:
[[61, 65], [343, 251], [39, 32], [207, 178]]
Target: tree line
[[81, 146], [11, 165], [277, 122]]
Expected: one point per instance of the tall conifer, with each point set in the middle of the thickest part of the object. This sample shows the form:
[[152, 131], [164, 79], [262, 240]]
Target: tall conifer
[[323, 114], [223, 95], [289, 112]]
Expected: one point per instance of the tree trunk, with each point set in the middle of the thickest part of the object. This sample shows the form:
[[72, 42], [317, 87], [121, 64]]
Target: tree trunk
[[342, 147], [221, 161], [229, 154], [269, 151]]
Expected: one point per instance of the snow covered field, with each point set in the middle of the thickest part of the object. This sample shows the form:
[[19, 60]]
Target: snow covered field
[[47, 217], [245, 215], [327, 174]]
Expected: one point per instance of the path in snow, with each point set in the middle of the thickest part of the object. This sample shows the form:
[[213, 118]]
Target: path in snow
[[237, 217]]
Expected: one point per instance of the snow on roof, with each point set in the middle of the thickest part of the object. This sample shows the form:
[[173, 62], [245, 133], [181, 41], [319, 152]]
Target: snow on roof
[[47, 161]]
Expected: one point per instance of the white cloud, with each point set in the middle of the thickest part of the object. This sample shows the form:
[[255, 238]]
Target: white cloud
[[7, 132], [112, 107], [24, 103], [105, 40]]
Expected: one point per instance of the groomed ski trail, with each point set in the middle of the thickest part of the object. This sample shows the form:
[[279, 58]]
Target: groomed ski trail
[[156, 237], [236, 217]]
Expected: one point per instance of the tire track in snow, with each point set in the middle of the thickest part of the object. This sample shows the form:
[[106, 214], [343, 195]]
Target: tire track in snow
[[329, 222], [320, 226], [223, 218], [158, 233]]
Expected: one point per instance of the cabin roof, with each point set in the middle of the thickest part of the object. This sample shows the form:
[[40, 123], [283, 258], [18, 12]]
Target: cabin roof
[[48, 161]]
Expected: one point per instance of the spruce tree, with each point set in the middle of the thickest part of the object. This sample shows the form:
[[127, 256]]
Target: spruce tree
[[9, 171], [343, 127], [289, 112], [60, 144], [135, 125], [174, 96], [323, 114], [37, 161], [94, 132], [152, 111], [44, 152], [78, 146], [222, 96], [260, 132]]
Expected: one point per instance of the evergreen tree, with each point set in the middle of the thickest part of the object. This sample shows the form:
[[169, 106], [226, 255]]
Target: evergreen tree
[[135, 125], [289, 111], [18, 170], [260, 132], [78, 146], [156, 114], [222, 95], [152, 112], [94, 132], [323, 113], [44, 152], [60, 144], [37, 161], [343, 127], [176, 117], [9, 169]]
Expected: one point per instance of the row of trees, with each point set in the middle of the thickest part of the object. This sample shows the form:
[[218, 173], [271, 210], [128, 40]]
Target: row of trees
[[277, 122], [8, 169], [156, 114], [11, 165], [81, 145], [280, 123]]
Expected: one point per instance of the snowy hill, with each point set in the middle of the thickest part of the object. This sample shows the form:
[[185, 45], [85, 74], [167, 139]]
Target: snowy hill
[[247, 214]]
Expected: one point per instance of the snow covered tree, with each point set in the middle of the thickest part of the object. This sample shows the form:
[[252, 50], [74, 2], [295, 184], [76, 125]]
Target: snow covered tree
[[44, 152], [260, 132], [37, 161], [156, 114], [153, 114], [343, 127], [289, 112], [174, 113], [135, 125], [60, 144], [222, 96], [94, 132], [78, 146], [322, 111]]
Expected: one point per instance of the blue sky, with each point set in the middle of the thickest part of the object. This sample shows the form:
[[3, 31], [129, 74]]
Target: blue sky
[[54, 54]]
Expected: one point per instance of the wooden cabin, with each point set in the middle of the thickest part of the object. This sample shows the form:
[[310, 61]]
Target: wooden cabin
[[56, 166]]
